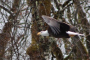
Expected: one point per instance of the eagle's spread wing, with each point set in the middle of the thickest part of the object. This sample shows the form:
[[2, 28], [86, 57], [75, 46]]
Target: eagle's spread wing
[[53, 23]]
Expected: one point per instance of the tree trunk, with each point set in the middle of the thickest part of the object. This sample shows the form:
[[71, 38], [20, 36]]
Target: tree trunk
[[5, 36]]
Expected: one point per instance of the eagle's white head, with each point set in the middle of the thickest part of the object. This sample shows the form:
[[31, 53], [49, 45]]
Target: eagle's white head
[[43, 33]]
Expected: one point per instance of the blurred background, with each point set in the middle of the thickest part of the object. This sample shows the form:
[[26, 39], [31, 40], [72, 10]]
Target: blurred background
[[20, 20]]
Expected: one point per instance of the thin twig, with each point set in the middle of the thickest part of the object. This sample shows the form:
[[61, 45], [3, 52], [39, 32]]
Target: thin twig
[[6, 10]]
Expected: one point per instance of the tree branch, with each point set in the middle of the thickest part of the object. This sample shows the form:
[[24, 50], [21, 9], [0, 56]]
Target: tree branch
[[6, 10]]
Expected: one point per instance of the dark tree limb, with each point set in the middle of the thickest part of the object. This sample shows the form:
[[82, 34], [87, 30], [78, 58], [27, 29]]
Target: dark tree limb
[[6, 10], [88, 44], [5, 36], [66, 3], [56, 51], [82, 20]]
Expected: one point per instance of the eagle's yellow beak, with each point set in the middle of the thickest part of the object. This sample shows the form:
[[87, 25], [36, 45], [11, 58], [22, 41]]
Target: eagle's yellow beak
[[38, 33]]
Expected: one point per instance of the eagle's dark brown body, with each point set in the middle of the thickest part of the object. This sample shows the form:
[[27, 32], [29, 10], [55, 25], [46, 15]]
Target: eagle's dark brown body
[[58, 29], [62, 34]]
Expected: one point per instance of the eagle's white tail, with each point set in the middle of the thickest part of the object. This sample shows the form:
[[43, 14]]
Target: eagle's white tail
[[74, 33]]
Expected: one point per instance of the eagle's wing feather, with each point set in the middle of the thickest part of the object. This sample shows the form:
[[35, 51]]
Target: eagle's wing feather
[[53, 23]]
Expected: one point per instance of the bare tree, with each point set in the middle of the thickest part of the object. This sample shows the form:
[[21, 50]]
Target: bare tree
[[20, 20]]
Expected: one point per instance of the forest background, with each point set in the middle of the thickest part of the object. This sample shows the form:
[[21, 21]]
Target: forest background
[[20, 20]]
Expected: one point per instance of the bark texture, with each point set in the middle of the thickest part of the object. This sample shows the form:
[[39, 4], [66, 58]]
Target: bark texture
[[5, 36]]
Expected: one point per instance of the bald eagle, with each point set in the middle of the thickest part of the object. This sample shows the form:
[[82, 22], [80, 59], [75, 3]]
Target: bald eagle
[[58, 29]]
